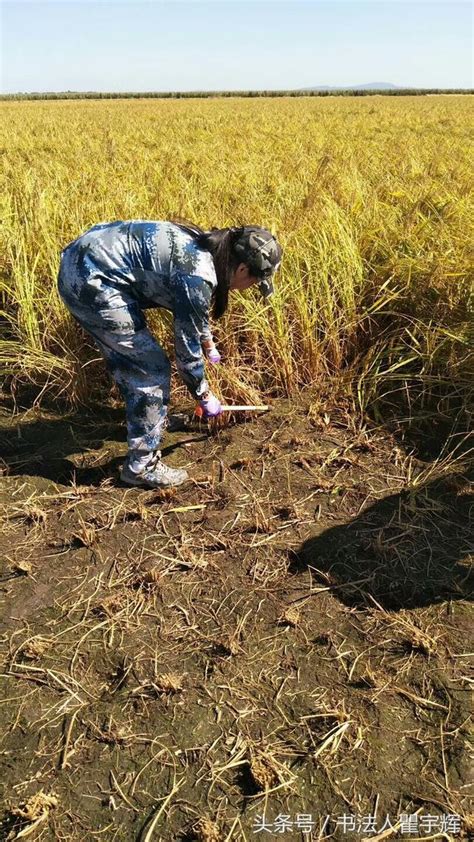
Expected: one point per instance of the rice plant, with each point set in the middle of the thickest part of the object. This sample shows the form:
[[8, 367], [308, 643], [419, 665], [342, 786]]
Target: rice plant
[[370, 198]]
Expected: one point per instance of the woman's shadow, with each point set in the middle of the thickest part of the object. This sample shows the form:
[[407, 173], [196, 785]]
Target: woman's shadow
[[61, 448], [83, 448], [409, 550]]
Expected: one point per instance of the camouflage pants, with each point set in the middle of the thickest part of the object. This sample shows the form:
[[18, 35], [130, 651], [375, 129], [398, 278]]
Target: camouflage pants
[[136, 361]]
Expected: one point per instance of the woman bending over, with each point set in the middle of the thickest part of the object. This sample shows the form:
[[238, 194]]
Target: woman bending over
[[116, 270]]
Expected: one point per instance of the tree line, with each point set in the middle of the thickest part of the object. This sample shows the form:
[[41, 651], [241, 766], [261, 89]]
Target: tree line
[[215, 94]]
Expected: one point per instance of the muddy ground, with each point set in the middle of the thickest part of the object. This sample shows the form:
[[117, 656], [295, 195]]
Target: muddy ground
[[285, 636]]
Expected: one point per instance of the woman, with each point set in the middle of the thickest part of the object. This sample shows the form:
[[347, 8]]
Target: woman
[[114, 271]]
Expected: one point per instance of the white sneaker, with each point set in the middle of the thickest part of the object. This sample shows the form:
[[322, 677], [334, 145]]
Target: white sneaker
[[154, 475]]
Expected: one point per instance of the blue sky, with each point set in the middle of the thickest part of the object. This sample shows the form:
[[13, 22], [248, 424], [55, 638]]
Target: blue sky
[[121, 45]]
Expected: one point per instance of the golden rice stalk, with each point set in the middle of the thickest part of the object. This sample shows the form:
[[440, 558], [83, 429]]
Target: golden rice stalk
[[35, 647], [263, 774], [206, 830], [33, 812], [169, 682]]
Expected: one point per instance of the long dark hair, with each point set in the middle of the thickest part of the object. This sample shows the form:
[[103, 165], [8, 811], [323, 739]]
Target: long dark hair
[[219, 242]]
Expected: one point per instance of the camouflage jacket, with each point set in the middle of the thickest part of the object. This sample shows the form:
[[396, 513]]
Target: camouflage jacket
[[161, 266]]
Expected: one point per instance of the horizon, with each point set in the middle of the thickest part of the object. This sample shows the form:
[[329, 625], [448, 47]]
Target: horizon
[[154, 46], [364, 89]]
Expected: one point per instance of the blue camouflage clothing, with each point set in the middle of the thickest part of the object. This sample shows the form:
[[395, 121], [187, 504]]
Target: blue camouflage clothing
[[107, 277]]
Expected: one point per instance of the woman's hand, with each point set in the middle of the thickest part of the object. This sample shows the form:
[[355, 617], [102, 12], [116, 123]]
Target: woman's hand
[[211, 352], [213, 356], [210, 406]]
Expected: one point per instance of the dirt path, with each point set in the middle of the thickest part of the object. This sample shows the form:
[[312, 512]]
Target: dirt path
[[285, 636]]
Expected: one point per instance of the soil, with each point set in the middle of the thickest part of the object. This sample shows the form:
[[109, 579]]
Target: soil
[[285, 635]]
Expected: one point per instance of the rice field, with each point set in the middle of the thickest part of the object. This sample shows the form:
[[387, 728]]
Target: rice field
[[281, 647], [371, 199]]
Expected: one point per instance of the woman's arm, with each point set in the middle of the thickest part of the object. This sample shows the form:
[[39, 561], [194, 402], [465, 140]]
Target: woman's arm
[[206, 335], [208, 345], [192, 301]]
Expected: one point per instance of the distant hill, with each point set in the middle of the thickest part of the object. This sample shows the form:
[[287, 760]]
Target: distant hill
[[370, 86]]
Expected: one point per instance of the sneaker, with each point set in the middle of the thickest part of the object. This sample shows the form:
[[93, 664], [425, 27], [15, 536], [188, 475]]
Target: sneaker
[[154, 475]]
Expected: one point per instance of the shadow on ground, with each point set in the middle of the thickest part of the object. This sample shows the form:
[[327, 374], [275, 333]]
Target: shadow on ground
[[81, 448], [409, 550]]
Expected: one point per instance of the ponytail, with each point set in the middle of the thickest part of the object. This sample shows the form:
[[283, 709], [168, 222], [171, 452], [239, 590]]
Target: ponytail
[[219, 242]]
